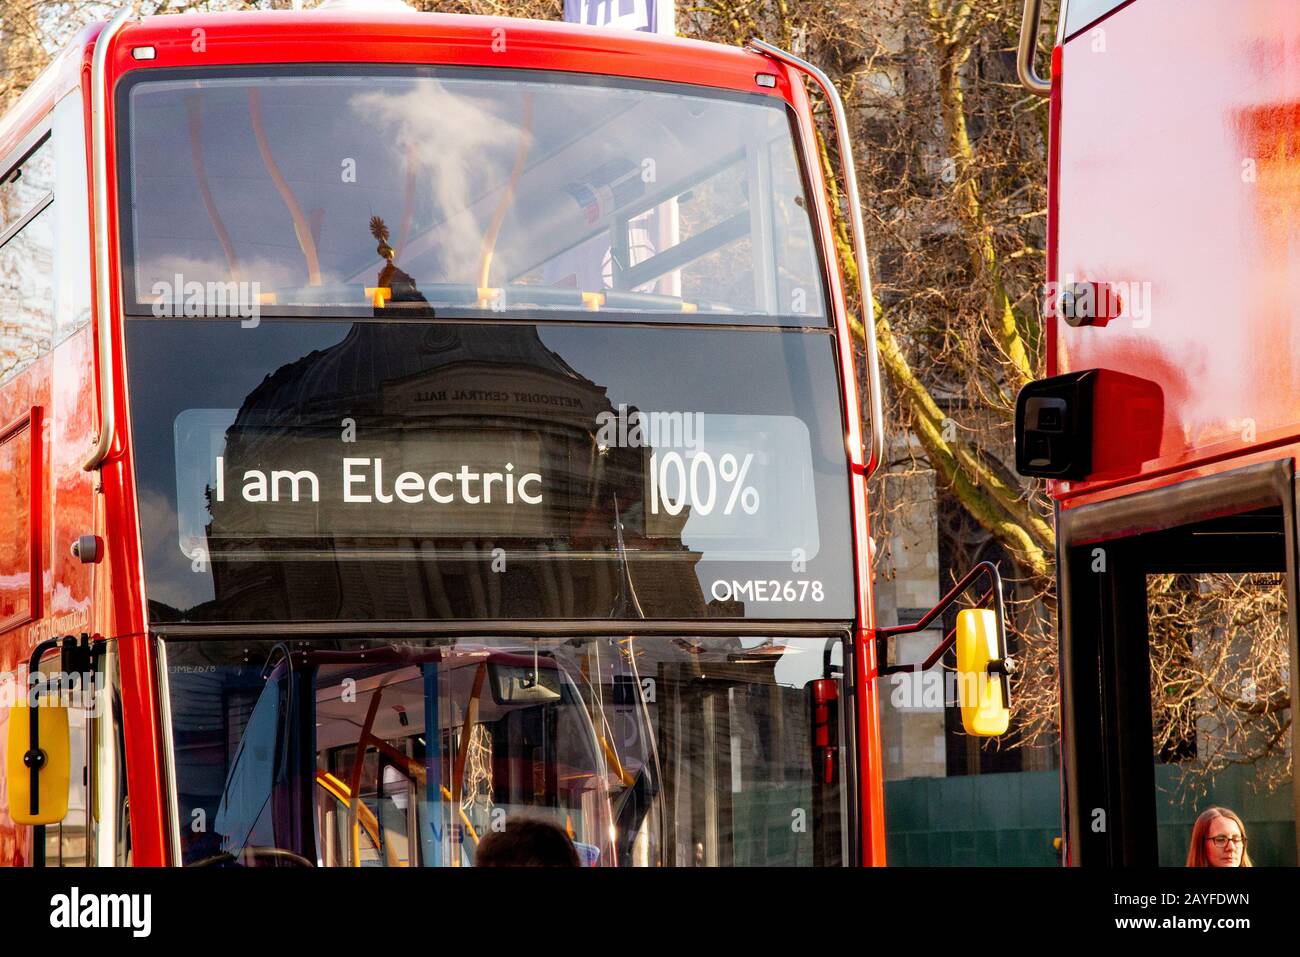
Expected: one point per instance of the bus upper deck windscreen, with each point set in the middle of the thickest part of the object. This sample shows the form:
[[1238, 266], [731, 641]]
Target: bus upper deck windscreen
[[463, 190], [428, 346]]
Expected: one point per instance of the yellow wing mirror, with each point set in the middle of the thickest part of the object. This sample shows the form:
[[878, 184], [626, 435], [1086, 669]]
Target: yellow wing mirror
[[38, 754], [981, 672], [983, 685], [38, 779]]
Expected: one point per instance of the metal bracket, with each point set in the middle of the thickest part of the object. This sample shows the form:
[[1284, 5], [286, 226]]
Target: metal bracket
[[1000, 666]]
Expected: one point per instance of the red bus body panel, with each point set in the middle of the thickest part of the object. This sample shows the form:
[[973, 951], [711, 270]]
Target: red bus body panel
[[108, 598], [1175, 173], [1175, 176]]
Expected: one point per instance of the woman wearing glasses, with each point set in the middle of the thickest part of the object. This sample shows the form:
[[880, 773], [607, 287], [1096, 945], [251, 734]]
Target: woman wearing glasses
[[1218, 840]]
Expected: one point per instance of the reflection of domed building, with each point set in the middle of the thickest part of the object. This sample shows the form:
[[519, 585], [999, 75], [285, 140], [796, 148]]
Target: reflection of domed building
[[430, 398]]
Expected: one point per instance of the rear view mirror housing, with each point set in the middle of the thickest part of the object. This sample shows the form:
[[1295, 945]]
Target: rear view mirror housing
[[981, 672], [1054, 426], [983, 667], [38, 754], [514, 684], [53, 760]]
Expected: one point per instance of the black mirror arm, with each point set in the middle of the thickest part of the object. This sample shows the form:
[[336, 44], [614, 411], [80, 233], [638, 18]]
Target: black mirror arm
[[985, 568]]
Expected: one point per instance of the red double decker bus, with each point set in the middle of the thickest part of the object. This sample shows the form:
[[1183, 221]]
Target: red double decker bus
[[452, 418], [1168, 423]]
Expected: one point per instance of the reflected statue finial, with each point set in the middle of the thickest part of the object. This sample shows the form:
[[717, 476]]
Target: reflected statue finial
[[379, 230]]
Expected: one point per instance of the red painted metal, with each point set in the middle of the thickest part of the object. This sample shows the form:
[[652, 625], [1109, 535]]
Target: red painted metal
[[1177, 176], [1053, 227], [108, 598], [1173, 173], [60, 386], [871, 778]]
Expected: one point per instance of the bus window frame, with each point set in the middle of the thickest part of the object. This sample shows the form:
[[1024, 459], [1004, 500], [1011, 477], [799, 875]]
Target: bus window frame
[[60, 131], [29, 422], [109, 784], [38, 138], [1104, 677], [818, 215]]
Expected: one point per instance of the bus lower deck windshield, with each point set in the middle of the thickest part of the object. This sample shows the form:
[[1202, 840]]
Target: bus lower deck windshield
[[644, 751]]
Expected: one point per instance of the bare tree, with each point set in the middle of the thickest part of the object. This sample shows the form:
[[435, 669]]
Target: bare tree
[[1220, 682]]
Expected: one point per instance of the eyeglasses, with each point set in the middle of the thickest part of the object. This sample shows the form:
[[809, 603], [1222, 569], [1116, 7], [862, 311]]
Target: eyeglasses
[[1222, 840]]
